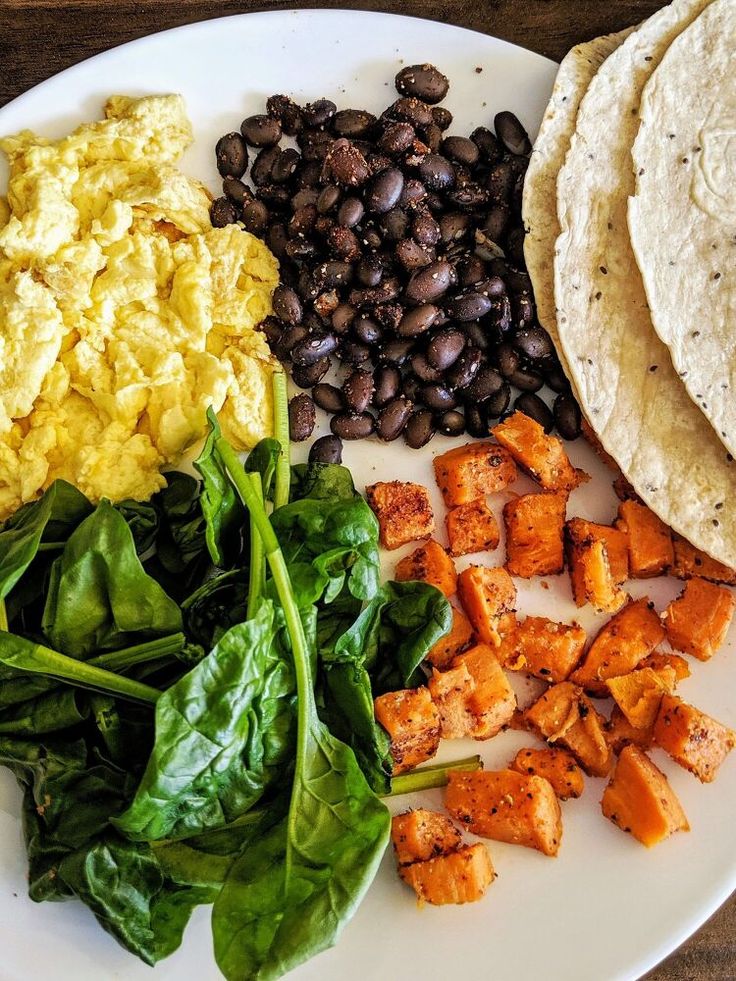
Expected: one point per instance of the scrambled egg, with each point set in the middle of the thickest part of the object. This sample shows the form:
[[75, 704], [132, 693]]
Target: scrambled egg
[[123, 313]]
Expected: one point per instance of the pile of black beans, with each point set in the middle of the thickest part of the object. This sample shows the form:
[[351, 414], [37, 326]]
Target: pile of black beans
[[401, 254]]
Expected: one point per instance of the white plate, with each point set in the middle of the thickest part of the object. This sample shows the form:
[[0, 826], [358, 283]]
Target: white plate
[[605, 908]]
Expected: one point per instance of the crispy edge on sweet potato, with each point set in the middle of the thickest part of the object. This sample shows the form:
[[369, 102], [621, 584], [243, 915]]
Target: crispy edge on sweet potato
[[421, 834], [540, 455], [565, 715], [472, 527], [639, 693], [693, 739], [486, 594], [429, 563], [698, 620], [507, 806], [543, 648], [640, 801], [580, 530], [534, 524], [627, 638], [556, 765], [453, 643], [412, 722], [462, 876], [403, 511], [690, 562], [661, 659], [468, 472], [474, 697], [649, 539], [591, 575], [619, 732]]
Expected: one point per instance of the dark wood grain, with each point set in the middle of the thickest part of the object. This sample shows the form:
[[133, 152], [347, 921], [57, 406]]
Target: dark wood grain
[[38, 39]]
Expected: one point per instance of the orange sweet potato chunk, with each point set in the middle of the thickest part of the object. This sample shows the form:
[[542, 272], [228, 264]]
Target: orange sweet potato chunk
[[462, 876], [470, 472], [693, 739], [534, 525], [429, 563], [412, 721], [659, 660], [507, 806], [556, 765], [651, 551], [593, 577], [543, 648], [564, 715], [421, 834], [620, 645], [690, 562], [619, 732], [698, 620], [472, 528], [403, 511], [639, 799], [450, 691], [540, 455], [474, 697], [639, 693], [453, 643], [579, 531], [486, 595]]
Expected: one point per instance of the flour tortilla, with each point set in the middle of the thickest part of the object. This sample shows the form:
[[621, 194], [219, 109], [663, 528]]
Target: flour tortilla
[[623, 373], [539, 206], [683, 218]]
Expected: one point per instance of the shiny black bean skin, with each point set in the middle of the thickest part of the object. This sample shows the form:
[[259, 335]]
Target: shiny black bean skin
[[397, 351], [348, 426], [396, 138], [471, 270], [318, 113], [302, 418], [328, 198], [313, 348], [533, 342], [436, 172], [512, 134], [515, 246], [431, 136], [477, 335], [469, 306], [326, 449], [260, 172], [386, 384], [277, 239], [409, 109], [410, 386], [236, 190], [223, 212], [522, 310], [460, 149], [293, 336], [425, 230], [413, 194], [428, 285], [231, 153], [412, 256], [441, 117], [273, 329], [332, 274], [261, 130], [445, 348], [501, 182], [287, 112], [422, 82], [532, 406], [393, 418], [287, 305], [419, 429], [285, 165], [555, 378], [517, 280], [385, 190], [568, 419], [308, 375], [353, 352], [437, 397], [476, 421], [496, 221], [454, 226], [496, 405], [394, 225], [350, 212], [526, 380], [464, 370], [367, 330], [488, 144], [342, 318], [418, 321], [357, 391], [451, 423], [369, 270], [328, 397], [423, 369], [507, 359], [485, 384], [352, 123]]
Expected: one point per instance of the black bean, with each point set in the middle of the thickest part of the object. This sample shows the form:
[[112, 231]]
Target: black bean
[[469, 306], [566, 413], [421, 367], [441, 117], [418, 320], [367, 330], [461, 149], [425, 230], [476, 420], [231, 153], [273, 328], [304, 197], [326, 449], [386, 383], [532, 406], [500, 182], [454, 226], [386, 291], [318, 113], [332, 274], [236, 190], [393, 417], [478, 335], [276, 239], [466, 367], [348, 426], [471, 270], [436, 172], [357, 390], [445, 348], [555, 377], [345, 164], [496, 221], [487, 143], [302, 418], [385, 190], [293, 336], [352, 123], [369, 270], [515, 246], [414, 256], [286, 305], [274, 195], [313, 348], [507, 359], [328, 198], [308, 173], [419, 429], [350, 212], [353, 352], [389, 315], [526, 380], [260, 172], [342, 317], [533, 342], [517, 281], [411, 110], [302, 221], [261, 130], [437, 397], [378, 162], [431, 136], [308, 375], [511, 133], [287, 112], [423, 82], [451, 423], [343, 243], [522, 310], [413, 193], [285, 165], [394, 224], [410, 386], [396, 138], [429, 284], [496, 405], [397, 351], [486, 383], [223, 212]]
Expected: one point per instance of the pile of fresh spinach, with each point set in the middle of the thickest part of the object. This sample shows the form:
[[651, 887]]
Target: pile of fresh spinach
[[186, 700]]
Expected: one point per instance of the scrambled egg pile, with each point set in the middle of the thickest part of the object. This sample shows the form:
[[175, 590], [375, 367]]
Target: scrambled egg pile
[[123, 313]]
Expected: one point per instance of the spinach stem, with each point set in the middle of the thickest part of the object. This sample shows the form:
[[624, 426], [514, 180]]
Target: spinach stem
[[257, 573], [282, 483], [152, 650], [3, 616], [428, 777]]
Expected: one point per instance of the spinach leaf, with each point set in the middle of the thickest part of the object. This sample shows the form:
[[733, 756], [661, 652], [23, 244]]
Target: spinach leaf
[[218, 604], [323, 481], [142, 517], [224, 732], [99, 595], [223, 511], [263, 459], [181, 539], [53, 712]]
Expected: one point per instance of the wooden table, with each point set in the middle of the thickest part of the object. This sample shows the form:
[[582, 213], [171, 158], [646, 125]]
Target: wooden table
[[38, 39]]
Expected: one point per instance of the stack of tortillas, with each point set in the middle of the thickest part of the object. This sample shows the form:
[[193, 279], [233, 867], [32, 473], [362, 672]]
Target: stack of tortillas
[[630, 207]]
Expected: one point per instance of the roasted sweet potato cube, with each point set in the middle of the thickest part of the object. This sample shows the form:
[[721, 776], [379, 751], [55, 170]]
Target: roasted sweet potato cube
[[619, 732], [421, 834], [412, 721], [650, 540], [450, 691], [453, 643], [639, 693], [472, 528], [534, 525], [507, 806], [698, 620], [639, 799], [429, 563], [693, 739], [579, 531], [564, 715], [540, 455], [556, 765], [472, 471], [592, 576], [620, 645], [544, 648], [403, 511], [474, 697], [486, 595], [460, 877], [659, 660], [690, 562]]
